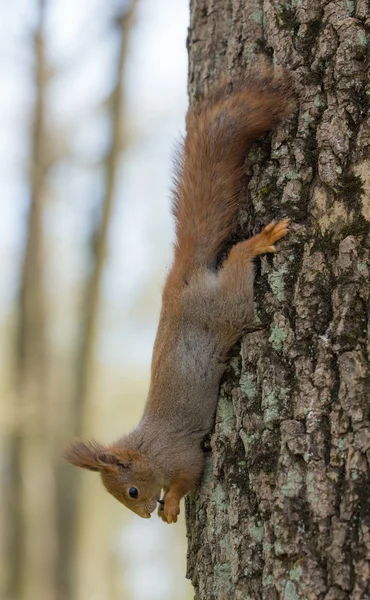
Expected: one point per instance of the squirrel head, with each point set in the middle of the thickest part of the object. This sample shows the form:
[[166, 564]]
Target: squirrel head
[[126, 474]]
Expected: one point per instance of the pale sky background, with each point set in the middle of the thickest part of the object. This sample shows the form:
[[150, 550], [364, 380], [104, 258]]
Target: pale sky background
[[141, 235], [81, 48]]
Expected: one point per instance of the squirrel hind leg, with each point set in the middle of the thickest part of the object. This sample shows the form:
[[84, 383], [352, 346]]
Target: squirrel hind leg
[[236, 275], [261, 243]]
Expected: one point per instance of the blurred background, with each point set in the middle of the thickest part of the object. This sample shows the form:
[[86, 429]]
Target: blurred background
[[93, 99]]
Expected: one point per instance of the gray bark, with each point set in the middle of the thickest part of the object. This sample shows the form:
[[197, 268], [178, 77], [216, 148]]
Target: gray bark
[[284, 510]]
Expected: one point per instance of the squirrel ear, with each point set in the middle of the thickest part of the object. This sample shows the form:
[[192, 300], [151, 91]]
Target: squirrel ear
[[110, 458], [86, 455], [107, 459]]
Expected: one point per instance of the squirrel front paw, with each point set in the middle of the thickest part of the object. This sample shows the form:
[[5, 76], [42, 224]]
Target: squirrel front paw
[[170, 510], [160, 511]]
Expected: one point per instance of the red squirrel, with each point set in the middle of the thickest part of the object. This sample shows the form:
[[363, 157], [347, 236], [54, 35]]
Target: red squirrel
[[207, 302]]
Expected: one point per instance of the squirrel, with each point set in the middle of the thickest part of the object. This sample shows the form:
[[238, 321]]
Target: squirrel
[[207, 301]]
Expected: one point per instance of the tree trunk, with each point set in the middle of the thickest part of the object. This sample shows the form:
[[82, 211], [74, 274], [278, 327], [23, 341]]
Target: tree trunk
[[284, 510]]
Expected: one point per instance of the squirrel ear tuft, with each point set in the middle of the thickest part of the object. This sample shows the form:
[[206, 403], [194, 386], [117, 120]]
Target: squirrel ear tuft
[[86, 455]]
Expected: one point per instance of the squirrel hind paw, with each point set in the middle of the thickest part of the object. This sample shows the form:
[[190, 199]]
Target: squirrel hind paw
[[278, 230], [269, 235]]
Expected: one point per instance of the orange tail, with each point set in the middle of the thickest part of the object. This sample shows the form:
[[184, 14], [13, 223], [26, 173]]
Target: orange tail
[[220, 131]]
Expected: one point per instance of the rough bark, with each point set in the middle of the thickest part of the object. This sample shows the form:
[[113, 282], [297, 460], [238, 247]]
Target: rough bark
[[284, 508]]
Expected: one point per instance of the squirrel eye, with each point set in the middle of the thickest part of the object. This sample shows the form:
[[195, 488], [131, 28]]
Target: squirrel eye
[[133, 492]]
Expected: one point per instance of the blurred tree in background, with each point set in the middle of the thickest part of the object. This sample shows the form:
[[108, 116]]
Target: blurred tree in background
[[81, 187]]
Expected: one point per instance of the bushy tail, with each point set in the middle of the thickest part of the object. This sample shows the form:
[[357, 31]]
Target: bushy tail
[[209, 166]]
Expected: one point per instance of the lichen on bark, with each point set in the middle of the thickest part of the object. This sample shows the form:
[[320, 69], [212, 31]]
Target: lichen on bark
[[284, 510]]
